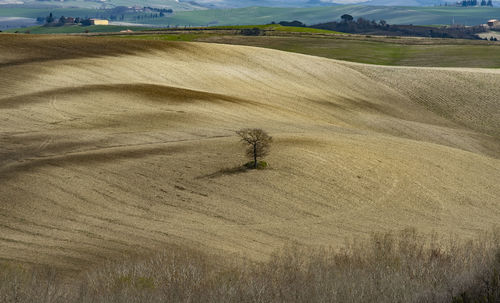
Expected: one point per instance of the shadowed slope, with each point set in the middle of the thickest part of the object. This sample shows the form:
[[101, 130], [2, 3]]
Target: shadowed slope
[[149, 92], [122, 152]]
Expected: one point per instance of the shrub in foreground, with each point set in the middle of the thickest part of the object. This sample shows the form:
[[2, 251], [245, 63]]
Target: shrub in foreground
[[386, 268]]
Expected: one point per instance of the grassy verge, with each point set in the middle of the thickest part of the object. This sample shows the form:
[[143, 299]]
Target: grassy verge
[[279, 28], [187, 37], [304, 30], [386, 268], [116, 28]]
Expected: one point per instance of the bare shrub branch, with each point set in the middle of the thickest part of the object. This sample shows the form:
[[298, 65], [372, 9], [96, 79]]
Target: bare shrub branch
[[391, 267]]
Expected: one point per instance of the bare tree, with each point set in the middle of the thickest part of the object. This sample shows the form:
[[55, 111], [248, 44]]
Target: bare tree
[[258, 141]]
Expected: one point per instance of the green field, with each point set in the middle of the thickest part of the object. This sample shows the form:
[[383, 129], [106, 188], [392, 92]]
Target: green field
[[377, 51]]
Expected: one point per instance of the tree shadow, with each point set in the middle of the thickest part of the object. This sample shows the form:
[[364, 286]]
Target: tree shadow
[[225, 172]]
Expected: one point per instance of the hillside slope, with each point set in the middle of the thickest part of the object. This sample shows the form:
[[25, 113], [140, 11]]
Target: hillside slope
[[111, 147]]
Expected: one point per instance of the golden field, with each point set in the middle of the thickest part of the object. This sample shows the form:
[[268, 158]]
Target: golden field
[[112, 147]]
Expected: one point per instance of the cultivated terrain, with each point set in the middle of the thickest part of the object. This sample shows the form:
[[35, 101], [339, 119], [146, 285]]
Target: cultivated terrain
[[116, 146]]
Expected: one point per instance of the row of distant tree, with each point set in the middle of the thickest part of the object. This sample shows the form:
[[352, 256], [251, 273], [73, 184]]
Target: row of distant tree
[[466, 3], [115, 14], [149, 16], [372, 27], [50, 20], [160, 10]]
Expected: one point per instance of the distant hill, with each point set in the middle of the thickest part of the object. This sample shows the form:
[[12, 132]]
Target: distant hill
[[174, 4], [312, 3], [266, 3], [314, 15], [264, 15], [405, 2], [183, 5]]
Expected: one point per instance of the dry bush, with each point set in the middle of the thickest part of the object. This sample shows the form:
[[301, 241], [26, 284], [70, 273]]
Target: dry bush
[[402, 267], [20, 283]]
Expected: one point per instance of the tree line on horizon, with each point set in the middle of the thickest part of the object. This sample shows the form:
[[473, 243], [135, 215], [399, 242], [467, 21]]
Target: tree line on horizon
[[50, 20], [468, 3], [348, 24], [119, 13]]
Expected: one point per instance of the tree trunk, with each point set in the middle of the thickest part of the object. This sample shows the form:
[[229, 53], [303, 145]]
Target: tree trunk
[[255, 156]]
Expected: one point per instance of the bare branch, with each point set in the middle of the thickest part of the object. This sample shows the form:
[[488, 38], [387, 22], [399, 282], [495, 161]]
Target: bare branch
[[258, 140]]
